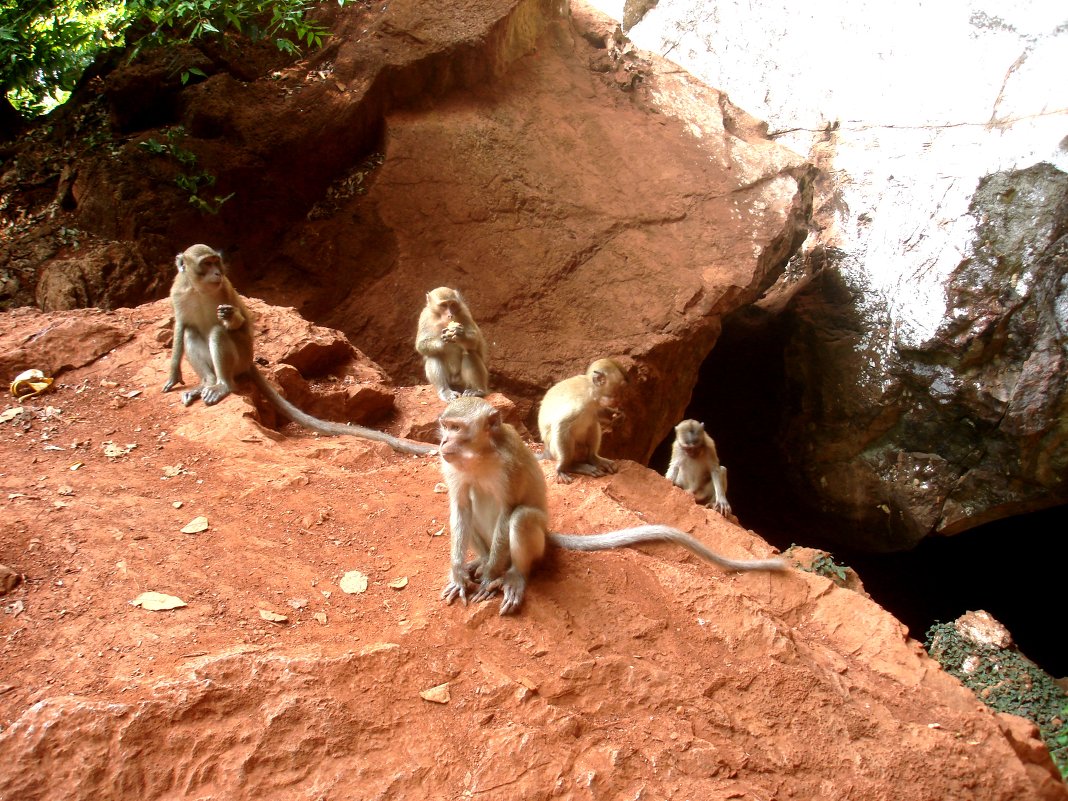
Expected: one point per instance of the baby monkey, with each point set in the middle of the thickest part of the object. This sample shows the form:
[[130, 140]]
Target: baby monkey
[[695, 466], [452, 346], [213, 327], [498, 507], [569, 420]]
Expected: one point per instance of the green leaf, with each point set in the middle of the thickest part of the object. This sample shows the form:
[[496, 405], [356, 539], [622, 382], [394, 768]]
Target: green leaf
[[46, 45]]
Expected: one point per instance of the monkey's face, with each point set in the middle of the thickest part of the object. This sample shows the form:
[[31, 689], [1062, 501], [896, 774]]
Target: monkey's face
[[209, 272], [449, 311], [691, 437], [468, 426]]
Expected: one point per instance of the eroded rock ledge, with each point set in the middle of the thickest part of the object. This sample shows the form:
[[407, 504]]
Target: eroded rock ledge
[[588, 201], [637, 672]]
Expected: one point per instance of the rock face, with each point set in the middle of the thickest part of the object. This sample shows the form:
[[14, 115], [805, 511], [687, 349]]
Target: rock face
[[925, 338], [633, 673], [588, 202], [966, 427], [593, 201]]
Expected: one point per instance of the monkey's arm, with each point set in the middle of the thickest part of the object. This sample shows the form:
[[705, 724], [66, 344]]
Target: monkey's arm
[[430, 345], [177, 351], [719, 486], [672, 474], [460, 526]]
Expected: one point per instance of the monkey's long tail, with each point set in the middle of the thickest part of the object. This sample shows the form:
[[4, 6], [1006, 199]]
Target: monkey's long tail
[[335, 429], [638, 534]]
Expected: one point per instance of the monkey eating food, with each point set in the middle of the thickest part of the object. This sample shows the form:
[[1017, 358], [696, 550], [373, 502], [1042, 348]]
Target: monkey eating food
[[498, 508], [569, 420], [695, 466], [452, 346], [213, 328]]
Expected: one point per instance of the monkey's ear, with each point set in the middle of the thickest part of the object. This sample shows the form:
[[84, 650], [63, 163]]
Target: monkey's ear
[[701, 426], [428, 298], [493, 420], [599, 378], [179, 262]]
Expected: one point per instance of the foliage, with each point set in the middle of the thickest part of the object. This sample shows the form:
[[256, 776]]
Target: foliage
[[173, 21], [190, 179], [1007, 681], [824, 565], [46, 45]]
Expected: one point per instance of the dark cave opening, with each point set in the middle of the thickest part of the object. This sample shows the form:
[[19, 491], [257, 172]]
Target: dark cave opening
[[1013, 568]]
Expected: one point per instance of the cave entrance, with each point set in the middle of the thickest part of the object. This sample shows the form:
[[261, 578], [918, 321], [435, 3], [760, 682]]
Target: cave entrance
[[1012, 568]]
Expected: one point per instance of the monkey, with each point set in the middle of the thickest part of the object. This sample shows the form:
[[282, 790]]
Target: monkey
[[213, 327], [498, 507], [452, 346], [695, 466], [569, 420]]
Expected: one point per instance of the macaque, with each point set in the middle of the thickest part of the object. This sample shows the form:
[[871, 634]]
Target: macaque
[[213, 328], [498, 508], [452, 346], [570, 420], [695, 466]]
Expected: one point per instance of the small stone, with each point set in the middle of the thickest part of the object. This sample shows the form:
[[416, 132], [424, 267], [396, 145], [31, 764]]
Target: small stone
[[437, 695], [982, 628], [9, 579]]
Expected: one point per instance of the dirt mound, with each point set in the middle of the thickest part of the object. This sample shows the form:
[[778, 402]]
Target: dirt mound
[[637, 673]]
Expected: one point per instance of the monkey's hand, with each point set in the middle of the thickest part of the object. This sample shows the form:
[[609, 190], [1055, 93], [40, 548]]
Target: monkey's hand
[[172, 382], [452, 332], [488, 588], [457, 585], [226, 313]]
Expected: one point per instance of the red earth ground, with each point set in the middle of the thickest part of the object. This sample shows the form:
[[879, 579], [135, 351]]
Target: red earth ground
[[587, 200], [639, 673]]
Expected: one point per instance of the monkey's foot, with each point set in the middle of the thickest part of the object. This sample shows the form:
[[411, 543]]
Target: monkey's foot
[[513, 587], [564, 478], [214, 394], [448, 395], [191, 395], [453, 591], [608, 466], [172, 383], [487, 589]]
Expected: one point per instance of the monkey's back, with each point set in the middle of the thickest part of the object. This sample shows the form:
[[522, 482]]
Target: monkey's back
[[564, 401]]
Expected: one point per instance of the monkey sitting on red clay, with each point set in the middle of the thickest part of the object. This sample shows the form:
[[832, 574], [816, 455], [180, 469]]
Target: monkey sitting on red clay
[[213, 328]]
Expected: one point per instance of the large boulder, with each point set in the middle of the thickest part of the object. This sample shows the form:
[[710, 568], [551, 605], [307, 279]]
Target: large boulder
[[590, 202], [922, 331], [638, 672]]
